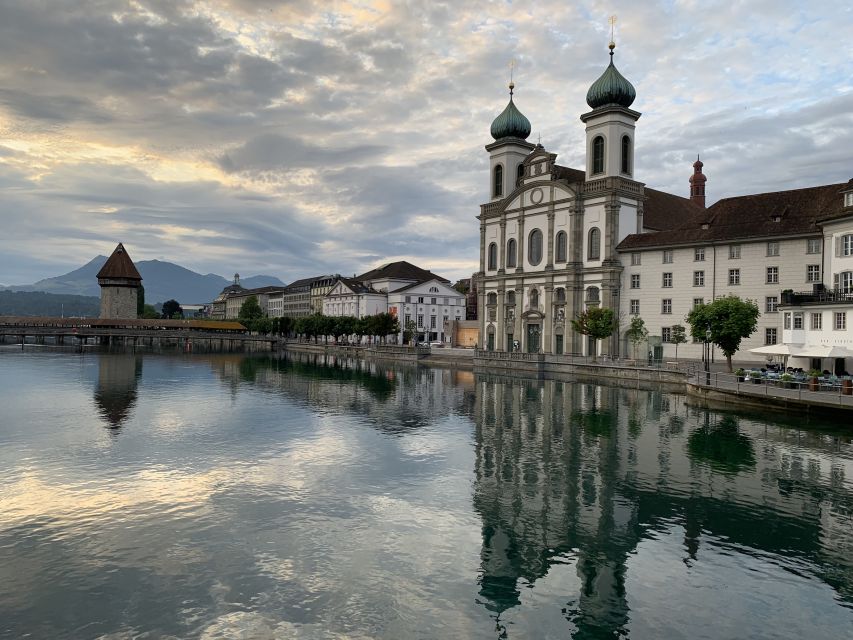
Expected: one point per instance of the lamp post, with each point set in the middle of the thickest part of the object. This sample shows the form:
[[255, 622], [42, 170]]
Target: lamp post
[[708, 356]]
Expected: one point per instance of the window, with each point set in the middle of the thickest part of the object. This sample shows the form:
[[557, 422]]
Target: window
[[848, 199], [510, 297], [534, 247], [534, 299], [420, 300], [635, 280], [816, 321], [698, 302], [734, 252], [844, 282], [493, 257], [698, 278], [798, 320], [635, 259], [787, 323], [510, 252], [519, 173], [734, 276], [666, 334], [666, 305], [562, 247], [560, 296], [772, 248], [847, 245], [635, 307], [408, 320], [626, 155], [813, 273], [433, 290], [592, 294], [408, 298], [814, 245], [772, 275], [598, 155], [667, 280], [771, 304], [420, 321], [445, 301], [594, 244], [770, 335], [667, 256], [840, 320], [432, 322], [432, 300], [492, 298], [498, 183], [699, 254]]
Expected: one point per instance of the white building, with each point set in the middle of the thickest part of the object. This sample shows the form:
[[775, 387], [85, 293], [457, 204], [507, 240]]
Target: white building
[[349, 297], [430, 305]]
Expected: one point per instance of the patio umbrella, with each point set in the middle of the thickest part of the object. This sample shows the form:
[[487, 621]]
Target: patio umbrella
[[823, 351], [784, 350]]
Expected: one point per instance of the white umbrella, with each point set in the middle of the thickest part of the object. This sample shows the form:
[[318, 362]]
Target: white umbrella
[[776, 350], [823, 351]]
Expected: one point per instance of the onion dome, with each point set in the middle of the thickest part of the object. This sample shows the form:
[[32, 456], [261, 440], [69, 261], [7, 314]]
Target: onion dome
[[511, 123], [611, 88]]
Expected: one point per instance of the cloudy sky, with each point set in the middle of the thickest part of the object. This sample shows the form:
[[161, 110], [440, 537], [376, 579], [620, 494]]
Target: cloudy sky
[[294, 138]]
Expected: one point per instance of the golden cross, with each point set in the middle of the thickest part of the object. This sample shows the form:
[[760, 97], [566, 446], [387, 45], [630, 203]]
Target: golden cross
[[612, 21]]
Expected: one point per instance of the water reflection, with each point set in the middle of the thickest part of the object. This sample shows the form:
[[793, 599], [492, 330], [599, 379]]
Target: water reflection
[[115, 392]]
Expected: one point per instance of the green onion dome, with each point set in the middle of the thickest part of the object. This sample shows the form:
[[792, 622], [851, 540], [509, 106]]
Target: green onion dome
[[511, 123], [611, 88]]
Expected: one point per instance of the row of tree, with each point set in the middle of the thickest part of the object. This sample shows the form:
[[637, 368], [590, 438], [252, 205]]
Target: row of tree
[[723, 322]]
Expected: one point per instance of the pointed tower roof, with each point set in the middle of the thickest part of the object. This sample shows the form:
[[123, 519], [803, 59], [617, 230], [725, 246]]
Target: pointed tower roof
[[511, 123], [119, 265], [611, 88]]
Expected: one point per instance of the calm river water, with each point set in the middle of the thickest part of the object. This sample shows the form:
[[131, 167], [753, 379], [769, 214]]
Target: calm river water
[[157, 496]]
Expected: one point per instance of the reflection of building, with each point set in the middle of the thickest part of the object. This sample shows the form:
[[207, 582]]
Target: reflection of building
[[572, 477], [115, 393], [119, 281]]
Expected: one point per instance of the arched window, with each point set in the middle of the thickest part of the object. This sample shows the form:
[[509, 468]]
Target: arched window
[[598, 155], [519, 173], [510, 253], [492, 298], [534, 247], [433, 289], [493, 257], [626, 155], [498, 189], [534, 299], [510, 297], [593, 251], [561, 247], [560, 296]]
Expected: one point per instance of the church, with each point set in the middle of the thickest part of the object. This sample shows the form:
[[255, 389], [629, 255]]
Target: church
[[555, 241]]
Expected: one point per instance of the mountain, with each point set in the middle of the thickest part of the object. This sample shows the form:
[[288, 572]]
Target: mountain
[[36, 303], [162, 281]]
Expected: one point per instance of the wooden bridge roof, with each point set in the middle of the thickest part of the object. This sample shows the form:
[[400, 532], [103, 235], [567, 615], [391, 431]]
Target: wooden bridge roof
[[198, 325]]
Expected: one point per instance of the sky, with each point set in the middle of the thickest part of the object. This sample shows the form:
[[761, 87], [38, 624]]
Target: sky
[[299, 138]]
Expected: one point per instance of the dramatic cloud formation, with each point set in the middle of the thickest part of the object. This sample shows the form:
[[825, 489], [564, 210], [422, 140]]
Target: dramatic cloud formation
[[297, 138]]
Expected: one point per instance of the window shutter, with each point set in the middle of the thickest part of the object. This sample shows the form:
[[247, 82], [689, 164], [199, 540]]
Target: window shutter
[[835, 281], [838, 242]]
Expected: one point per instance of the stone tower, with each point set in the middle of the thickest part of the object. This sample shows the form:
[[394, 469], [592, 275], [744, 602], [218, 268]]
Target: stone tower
[[119, 282], [697, 183]]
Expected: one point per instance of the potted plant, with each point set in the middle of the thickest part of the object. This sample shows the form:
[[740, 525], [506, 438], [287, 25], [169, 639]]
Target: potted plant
[[786, 379], [813, 375], [741, 375], [755, 376]]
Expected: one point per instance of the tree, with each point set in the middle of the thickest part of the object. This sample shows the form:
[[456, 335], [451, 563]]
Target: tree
[[140, 302], [678, 336], [637, 332], [409, 331], [597, 323], [149, 312], [250, 310], [730, 320], [171, 309]]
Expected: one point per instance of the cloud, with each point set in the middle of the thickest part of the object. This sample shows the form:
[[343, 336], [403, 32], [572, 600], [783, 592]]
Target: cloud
[[301, 138]]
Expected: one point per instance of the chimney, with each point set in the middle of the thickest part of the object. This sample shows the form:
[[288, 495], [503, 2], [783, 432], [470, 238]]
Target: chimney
[[697, 183]]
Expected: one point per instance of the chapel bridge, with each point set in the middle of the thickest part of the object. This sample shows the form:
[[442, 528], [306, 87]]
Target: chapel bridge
[[187, 334]]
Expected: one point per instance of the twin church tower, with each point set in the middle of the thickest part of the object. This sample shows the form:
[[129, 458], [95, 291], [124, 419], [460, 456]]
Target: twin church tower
[[548, 234]]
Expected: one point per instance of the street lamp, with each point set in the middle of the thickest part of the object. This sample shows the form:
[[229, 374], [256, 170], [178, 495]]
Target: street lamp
[[708, 356]]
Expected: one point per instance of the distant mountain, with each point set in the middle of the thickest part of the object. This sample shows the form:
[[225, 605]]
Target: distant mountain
[[36, 303], [162, 281]]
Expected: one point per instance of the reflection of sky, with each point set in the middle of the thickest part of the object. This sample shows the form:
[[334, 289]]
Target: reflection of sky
[[224, 505]]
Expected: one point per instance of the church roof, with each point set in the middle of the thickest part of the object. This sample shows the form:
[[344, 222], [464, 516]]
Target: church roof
[[119, 265], [611, 88], [762, 215], [511, 123], [401, 270]]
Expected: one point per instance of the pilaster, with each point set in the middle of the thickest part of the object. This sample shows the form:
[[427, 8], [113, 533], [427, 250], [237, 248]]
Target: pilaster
[[502, 249]]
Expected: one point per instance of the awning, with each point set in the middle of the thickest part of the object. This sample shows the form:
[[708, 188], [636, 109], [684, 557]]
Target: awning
[[823, 351], [776, 350]]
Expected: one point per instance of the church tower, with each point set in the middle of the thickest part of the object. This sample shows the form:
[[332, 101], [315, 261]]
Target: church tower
[[119, 281], [697, 183], [507, 153]]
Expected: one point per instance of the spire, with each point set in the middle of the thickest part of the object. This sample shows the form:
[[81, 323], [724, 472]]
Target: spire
[[611, 87], [119, 265], [697, 183]]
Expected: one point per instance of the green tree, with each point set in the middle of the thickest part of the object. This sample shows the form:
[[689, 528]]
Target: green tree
[[149, 312], [250, 310], [140, 302], [597, 323], [409, 331], [637, 332], [730, 320], [171, 309], [678, 336]]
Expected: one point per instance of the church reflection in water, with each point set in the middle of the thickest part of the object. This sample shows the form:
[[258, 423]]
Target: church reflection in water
[[115, 392], [579, 474]]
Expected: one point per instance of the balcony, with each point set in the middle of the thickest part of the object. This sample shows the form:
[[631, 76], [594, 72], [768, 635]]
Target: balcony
[[819, 296]]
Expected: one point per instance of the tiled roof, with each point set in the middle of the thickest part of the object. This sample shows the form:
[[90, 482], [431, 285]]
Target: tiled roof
[[567, 173], [762, 215], [119, 265], [357, 287], [401, 270]]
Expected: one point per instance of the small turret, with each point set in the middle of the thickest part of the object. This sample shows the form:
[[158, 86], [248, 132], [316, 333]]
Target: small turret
[[697, 183]]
